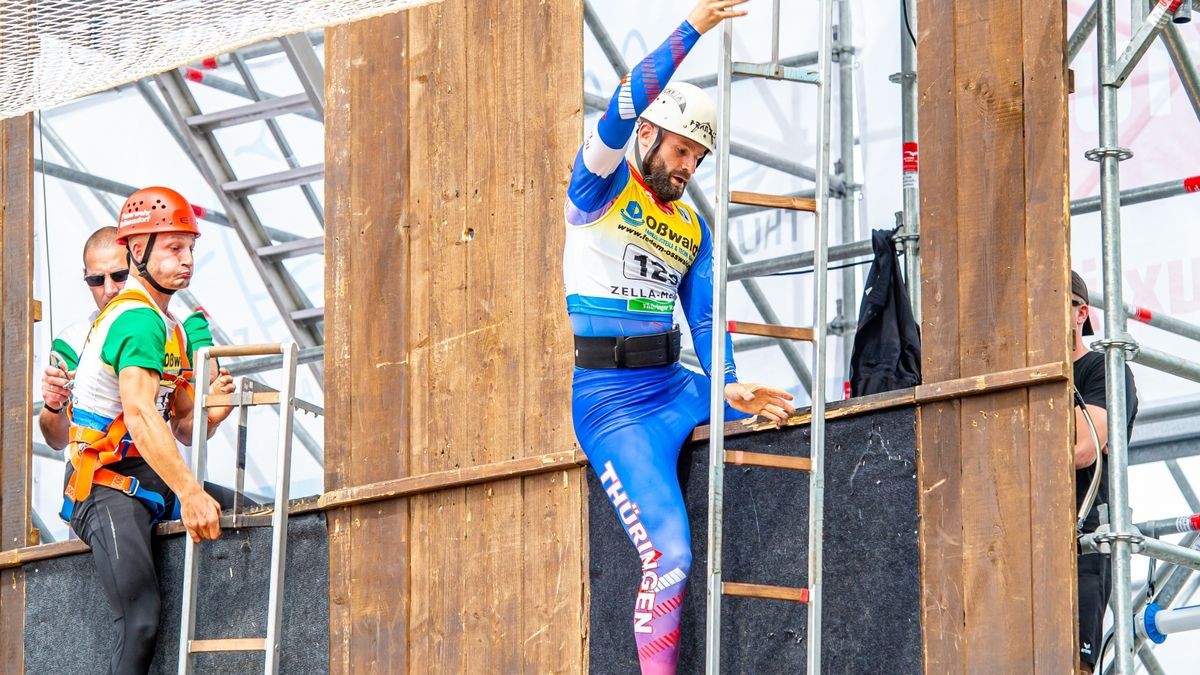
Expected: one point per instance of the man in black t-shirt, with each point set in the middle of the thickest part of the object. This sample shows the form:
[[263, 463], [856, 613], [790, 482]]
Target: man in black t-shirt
[[1095, 574]]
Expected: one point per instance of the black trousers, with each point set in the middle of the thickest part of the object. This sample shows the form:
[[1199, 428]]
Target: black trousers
[[118, 527], [1095, 587]]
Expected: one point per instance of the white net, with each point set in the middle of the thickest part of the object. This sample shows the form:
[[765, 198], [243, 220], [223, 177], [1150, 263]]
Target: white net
[[52, 51]]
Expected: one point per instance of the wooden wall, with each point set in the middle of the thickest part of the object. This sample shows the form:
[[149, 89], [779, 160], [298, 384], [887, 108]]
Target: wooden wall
[[996, 470], [450, 133], [16, 344]]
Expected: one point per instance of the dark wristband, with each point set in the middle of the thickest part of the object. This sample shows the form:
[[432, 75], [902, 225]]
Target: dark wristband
[[47, 406]]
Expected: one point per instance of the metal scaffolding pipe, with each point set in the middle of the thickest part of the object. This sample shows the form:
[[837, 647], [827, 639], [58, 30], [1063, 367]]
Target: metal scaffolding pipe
[[797, 61], [1160, 321], [1109, 156], [911, 212], [1165, 526], [1184, 65], [1147, 546], [1138, 195], [1167, 363], [266, 363], [1082, 32], [1167, 411], [798, 261], [749, 153], [849, 195]]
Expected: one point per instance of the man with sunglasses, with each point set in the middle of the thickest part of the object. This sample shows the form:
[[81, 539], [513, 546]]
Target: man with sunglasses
[[105, 270]]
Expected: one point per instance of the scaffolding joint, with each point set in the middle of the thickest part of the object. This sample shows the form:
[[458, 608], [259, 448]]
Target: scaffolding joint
[[905, 76], [1098, 154], [1104, 540], [1126, 344]]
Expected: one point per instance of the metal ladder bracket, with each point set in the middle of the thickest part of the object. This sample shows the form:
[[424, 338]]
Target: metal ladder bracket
[[776, 71]]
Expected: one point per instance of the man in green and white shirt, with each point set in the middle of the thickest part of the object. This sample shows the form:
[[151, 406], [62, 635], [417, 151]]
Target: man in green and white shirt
[[105, 270]]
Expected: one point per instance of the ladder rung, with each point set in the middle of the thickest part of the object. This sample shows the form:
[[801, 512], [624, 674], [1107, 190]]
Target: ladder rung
[[228, 645], [777, 72], [768, 330], [276, 181], [765, 592], [292, 249], [767, 460], [773, 201], [265, 109], [309, 314], [242, 398]]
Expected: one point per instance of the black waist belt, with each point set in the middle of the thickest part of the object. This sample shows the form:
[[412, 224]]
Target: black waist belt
[[637, 351]]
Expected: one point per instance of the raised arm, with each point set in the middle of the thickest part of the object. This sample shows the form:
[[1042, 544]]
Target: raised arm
[[600, 170]]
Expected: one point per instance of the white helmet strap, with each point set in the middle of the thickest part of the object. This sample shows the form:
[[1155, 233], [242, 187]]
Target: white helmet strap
[[643, 161]]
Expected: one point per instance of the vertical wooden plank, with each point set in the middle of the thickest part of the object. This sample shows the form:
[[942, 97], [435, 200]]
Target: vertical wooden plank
[[492, 238], [16, 341], [992, 329], [1047, 243], [439, 107], [939, 499], [939, 462], [555, 545], [367, 167]]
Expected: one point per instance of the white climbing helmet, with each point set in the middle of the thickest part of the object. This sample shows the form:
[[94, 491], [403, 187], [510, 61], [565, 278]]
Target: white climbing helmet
[[685, 109]]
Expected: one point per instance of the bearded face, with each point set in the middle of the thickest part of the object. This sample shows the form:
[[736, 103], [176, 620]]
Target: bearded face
[[666, 184]]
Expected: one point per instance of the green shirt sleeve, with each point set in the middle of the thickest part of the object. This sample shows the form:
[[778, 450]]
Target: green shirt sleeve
[[136, 338], [64, 353], [198, 333]]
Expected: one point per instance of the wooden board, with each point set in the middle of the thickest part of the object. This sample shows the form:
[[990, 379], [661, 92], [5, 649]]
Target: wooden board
[[1047, 246], [367, 264], [448, 298], [995, 489], [16, 342]]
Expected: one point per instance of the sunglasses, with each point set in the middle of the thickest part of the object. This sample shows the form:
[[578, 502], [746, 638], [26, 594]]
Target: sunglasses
[[97, 280]]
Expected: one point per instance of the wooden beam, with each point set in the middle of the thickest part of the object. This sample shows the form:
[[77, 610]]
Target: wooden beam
[[768, 330], [963, 387], [228, 645], [16, 343], [773, 201], [767, 460], [256, 398], [1017, 378], [454, 478], [764, 592]]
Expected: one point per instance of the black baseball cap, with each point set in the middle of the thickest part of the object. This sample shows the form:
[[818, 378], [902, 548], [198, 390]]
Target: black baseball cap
[[1079, 288]]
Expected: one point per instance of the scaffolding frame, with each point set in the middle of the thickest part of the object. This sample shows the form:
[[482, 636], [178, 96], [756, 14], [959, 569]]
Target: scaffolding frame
[[841, 184], [1120, 537]]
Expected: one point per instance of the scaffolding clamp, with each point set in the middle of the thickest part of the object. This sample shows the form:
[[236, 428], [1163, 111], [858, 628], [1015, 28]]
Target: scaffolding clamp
[[1126, 344], [1098, 154], [1104, 540]]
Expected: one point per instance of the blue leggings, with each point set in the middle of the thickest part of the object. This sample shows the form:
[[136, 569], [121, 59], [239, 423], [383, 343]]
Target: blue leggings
[[632, 424]]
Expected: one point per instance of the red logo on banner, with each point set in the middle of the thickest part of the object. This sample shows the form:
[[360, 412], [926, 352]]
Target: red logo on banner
[[910, 157]]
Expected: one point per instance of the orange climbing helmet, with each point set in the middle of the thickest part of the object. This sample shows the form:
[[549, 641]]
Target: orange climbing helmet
[[155, 209]]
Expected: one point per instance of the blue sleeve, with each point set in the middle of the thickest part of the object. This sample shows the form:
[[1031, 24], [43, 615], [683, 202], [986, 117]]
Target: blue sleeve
[[600, 171], [695, 297]]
